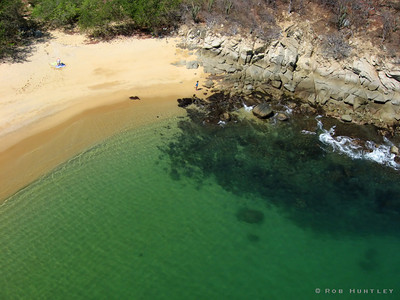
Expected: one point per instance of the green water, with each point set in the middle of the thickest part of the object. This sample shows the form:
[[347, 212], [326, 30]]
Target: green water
[[154, 213]]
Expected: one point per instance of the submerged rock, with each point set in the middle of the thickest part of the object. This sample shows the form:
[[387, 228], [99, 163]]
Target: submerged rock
[[251, 216], [263, 111], [253, 237], [282, 117]]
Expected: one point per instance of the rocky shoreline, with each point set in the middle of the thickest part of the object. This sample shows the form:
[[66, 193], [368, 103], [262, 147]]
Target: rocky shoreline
[[292, 70]]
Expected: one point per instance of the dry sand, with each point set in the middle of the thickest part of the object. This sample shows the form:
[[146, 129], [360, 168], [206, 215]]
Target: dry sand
[[48, 115]]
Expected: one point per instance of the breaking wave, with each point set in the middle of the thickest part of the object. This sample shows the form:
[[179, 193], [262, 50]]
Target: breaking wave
[[357, 149]]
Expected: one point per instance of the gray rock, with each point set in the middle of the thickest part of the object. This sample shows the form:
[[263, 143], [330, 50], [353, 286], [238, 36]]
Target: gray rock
[[217, 43], [387, 82], [254, 72], [322, 96], [358, 102], [192, 65], [232, 56], [263, 111], [267, 74], [346, 118], [221, 60], [351, 78], [306, 84], [350, 100], [396, 99], [291, 87], [212, 42], [368, 72], [377, 97], [276, 84], [231, 69], [373, 85]]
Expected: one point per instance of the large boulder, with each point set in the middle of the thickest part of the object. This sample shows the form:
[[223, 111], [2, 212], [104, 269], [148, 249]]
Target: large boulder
[[263, 111], [212, 42]]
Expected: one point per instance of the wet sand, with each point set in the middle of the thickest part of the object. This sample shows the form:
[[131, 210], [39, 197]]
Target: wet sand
[[47, 115]]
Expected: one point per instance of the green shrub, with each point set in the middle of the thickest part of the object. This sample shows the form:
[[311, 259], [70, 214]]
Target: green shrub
[[58, 12], [97, 13]]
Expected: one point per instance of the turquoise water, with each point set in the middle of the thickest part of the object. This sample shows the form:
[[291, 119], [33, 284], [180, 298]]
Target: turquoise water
[[180, 210]]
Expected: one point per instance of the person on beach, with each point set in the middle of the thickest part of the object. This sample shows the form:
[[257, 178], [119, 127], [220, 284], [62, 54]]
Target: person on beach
[[197, 85], [58, 62]]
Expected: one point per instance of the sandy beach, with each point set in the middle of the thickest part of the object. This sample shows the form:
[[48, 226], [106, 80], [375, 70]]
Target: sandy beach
[[48, 115]]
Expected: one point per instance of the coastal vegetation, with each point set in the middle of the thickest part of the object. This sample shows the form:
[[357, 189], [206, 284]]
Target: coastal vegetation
[[12, 23], [108, 18]]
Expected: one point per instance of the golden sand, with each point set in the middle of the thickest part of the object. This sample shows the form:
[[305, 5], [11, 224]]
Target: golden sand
[[48, 115]]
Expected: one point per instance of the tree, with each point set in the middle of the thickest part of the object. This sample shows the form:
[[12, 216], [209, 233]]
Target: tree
[[12, 25]]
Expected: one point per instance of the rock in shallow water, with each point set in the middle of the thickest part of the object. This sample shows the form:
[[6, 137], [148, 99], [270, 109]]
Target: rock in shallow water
[[263, 111]]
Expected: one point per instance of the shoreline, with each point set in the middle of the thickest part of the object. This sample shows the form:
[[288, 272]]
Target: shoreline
[[64, 112], [39, 153]]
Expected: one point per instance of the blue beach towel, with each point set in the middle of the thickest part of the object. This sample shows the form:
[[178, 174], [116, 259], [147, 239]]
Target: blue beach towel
[[54, 64]]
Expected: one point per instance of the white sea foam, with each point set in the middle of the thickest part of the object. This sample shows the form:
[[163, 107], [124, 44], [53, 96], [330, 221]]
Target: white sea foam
[[248, 108], [288, 110], [308, 132], [222, 123], [352, 148]]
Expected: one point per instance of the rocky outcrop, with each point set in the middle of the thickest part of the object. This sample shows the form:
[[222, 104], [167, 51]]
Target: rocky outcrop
[[357, 89]]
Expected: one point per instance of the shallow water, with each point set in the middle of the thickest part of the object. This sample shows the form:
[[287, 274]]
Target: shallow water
[[181, 210]]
